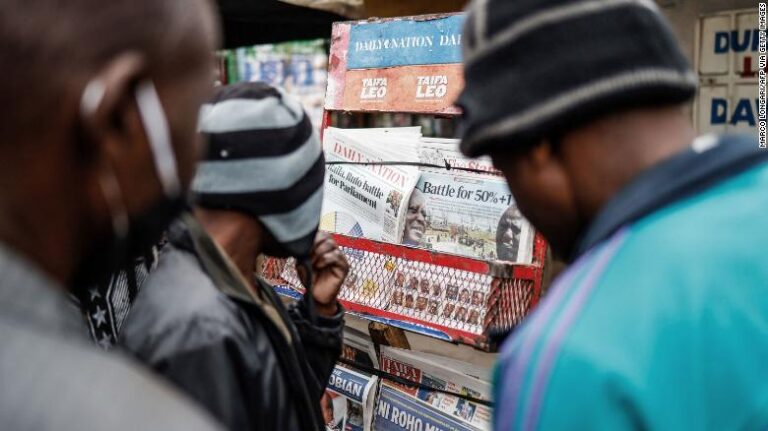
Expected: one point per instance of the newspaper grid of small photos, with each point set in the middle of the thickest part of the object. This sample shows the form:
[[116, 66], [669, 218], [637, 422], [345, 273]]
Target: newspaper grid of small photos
[[439, 295]]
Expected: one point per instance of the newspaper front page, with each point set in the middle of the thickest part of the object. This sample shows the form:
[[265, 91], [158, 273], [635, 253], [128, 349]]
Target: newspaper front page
[[406, 408], [367, 200], [466, 213], [349, 396], [348, 401]]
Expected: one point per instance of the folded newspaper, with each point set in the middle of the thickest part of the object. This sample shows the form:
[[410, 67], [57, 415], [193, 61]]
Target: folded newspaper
[[364, 199], [401, 407], [348, 401], [467, 212], [392, 185]]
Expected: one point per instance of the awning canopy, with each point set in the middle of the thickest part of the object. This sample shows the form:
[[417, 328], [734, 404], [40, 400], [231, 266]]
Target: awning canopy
[[251, 22]]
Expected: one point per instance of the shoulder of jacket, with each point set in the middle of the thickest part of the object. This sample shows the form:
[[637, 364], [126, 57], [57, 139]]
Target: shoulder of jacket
[[105, 390], [180, 308]]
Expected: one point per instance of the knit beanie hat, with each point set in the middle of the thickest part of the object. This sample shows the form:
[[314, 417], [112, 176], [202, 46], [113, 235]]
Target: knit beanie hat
[[537, 68], [263, 159]]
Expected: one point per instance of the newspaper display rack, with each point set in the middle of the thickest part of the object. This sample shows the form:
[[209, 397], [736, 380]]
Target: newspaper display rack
[[413, 65]]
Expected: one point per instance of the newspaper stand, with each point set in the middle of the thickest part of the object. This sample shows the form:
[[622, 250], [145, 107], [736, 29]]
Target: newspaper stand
[[412, 65]]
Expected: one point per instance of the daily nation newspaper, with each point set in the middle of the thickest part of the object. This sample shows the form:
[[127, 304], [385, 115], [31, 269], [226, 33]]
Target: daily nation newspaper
[[402, 407], [368, 200]]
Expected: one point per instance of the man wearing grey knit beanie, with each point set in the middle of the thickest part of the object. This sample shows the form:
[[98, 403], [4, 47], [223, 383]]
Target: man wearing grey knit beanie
[[660, 320], [203, 319]]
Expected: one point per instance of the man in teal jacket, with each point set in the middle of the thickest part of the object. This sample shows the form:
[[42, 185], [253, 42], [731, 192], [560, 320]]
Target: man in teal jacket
[[661, 321]]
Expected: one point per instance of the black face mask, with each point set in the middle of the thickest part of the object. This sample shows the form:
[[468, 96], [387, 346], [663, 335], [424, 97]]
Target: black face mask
[[300, 249], [134, 236], [114, 254]]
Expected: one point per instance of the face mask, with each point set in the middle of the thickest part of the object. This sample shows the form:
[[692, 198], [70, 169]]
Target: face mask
[[133, 236], [300, 249]]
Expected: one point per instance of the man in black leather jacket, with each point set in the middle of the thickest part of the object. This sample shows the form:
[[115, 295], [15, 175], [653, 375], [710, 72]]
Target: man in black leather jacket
[[203, 320]]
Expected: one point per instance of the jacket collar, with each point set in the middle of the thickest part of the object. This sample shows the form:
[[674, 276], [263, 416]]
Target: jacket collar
[[709, 160], [189, 235], [29, 297]]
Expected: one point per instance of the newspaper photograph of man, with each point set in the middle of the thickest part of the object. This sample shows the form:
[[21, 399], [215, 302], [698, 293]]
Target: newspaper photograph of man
[[448, 310], [452, 292], [433, 304], [464, 296], [508, 234], [397, 298], [334, 410], [461, 314], [408, 301], [415, 220], [421, 303], [465, 409], [477, 298], [413, 283], [424, 286]]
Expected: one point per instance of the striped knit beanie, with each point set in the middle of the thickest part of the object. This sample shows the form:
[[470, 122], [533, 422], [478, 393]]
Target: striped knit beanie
[[538, 68], [263, 159]]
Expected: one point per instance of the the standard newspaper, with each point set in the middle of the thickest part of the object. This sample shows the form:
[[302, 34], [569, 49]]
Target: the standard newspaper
[[348, 401], [470, 213], [393, 185], [402, 407]]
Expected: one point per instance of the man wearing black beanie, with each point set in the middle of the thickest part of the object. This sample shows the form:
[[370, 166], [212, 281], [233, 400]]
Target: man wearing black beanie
[[203, 319], [660, 321]]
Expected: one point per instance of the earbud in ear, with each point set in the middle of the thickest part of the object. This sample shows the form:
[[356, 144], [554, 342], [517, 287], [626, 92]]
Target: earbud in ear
[[93, 94]]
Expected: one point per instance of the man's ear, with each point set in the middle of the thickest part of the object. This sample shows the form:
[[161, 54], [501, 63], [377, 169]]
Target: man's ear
[[116, 139], [547, 168], [542, 156], [104, 105]]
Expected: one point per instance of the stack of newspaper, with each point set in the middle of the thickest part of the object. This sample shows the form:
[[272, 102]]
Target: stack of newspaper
[[401, 407], [392, 185], [348, 401]]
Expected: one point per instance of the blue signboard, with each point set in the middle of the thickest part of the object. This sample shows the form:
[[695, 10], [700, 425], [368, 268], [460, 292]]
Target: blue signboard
[[405, 43], [396, 411], [741, 112], [736, 41]]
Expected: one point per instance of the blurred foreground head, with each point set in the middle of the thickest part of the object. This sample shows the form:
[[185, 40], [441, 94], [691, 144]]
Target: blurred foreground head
[[99, 104], [572, 99], [264, 160]]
